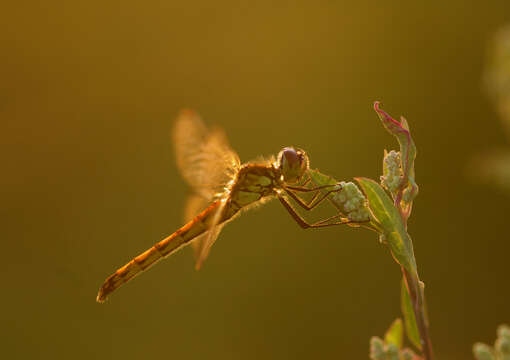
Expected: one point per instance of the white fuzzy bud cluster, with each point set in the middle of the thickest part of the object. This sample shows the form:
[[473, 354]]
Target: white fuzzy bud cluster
[[352, 202], [392, 172], [501, 349]]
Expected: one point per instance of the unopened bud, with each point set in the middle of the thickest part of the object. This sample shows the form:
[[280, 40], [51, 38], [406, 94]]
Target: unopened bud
[[392, 171], [392, 352], [408, 354], [482, 352], [377, 349], [502, 347], [504, 331], [352, 202]]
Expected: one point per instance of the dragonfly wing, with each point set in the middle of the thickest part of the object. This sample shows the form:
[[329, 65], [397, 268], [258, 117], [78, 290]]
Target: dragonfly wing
[[208, 164], [204, 244], [204, 157], [194, 205], [207, 240]]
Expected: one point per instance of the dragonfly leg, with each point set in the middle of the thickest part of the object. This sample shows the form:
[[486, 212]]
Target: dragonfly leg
[[337, 216], [305, 225], [313, 202], [306, 182], [307, 189]]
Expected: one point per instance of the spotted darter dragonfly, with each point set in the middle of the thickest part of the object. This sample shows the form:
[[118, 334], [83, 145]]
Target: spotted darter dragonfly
[[224, 187]]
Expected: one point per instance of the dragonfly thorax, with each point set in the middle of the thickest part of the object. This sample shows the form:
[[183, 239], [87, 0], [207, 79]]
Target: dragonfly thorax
[[292, 164]]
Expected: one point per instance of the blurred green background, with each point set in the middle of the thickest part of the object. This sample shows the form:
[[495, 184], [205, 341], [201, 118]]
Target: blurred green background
[[88, 93]]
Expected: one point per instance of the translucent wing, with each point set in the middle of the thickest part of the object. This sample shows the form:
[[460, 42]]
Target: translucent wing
[[194, 205], [206, 243], [208, 239], [204, 157], [202, 244], [207, 163]]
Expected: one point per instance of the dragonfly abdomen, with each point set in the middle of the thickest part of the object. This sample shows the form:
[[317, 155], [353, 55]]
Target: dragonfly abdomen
[[200, 224]]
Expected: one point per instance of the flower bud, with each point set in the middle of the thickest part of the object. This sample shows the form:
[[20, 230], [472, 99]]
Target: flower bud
[[392, 352], [392, 171], [377, 348], [482, 352], [352, 202], [408, 354], [504, 331]]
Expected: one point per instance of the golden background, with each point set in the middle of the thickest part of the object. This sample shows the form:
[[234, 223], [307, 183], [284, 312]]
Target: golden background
[[88, 93]]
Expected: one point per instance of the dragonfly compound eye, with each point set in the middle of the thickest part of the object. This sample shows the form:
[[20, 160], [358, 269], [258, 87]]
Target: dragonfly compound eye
[[293, 163]]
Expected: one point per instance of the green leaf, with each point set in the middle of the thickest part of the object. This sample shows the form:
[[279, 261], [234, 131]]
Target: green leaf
[[348, 199], [390, 221], [320, 179], [395, 333], [400, 129], [407, 310]]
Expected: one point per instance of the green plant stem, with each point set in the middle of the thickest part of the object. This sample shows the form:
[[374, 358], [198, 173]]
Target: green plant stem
[[413, 286], [417, 298]]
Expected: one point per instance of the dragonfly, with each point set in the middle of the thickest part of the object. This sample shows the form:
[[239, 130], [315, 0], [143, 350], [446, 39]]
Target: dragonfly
[[222, 189]]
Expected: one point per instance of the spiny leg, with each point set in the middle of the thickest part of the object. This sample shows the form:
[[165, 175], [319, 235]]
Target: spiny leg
[[342, 220], [334, 217], [307, 189], [302, 222], [306, 182], [314, 201]]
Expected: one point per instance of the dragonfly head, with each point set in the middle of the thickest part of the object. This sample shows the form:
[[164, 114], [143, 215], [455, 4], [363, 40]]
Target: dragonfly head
[[292, 163]]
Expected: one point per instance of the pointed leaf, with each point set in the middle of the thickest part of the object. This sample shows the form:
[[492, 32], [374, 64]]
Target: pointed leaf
[[395, 333], [407, 310], [391, 223], [399, 129], [320, 179]]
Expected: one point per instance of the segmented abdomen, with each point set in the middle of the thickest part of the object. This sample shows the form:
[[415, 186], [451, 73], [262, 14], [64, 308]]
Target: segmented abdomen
[[164, 248]]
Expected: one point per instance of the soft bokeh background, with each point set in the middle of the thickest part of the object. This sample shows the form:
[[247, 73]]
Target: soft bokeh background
[[88, 92]]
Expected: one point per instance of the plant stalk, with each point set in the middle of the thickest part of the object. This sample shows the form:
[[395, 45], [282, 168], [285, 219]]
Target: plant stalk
[[418, 302]]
